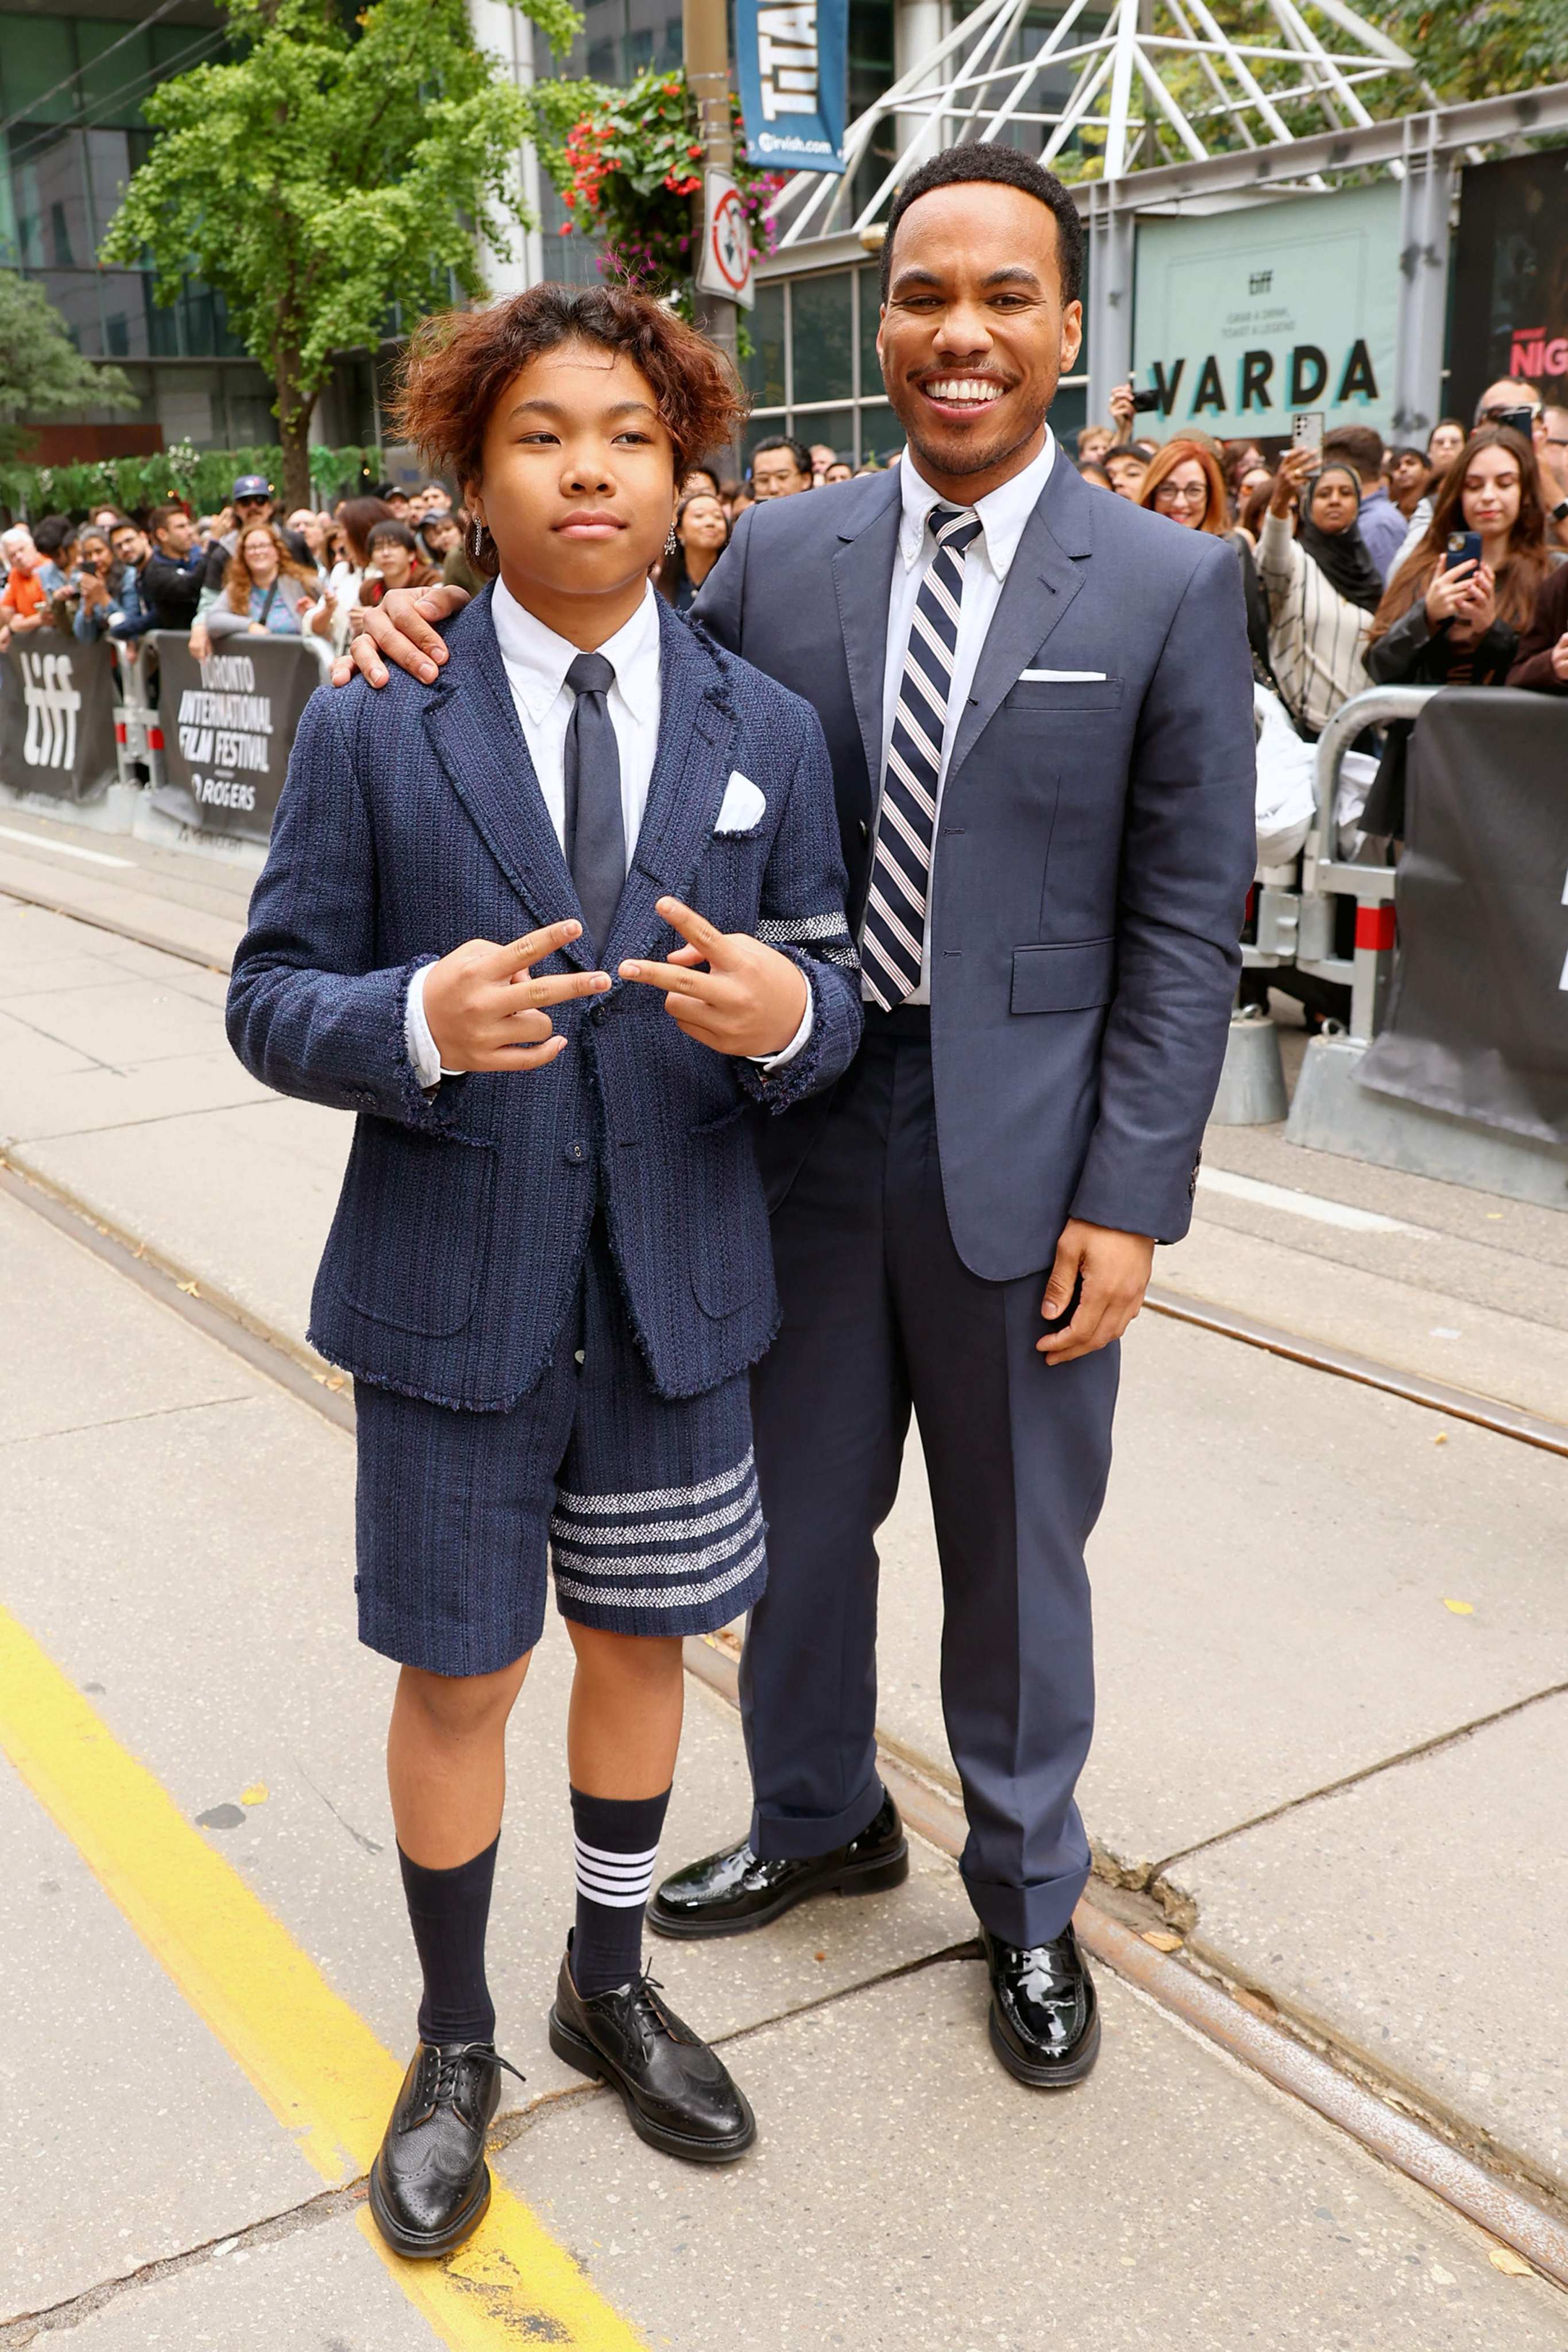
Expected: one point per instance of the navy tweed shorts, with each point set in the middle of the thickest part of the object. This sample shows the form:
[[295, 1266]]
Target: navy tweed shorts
[[647, 1504]]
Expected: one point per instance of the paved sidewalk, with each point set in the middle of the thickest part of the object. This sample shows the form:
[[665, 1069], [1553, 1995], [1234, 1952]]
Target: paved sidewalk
[[177, 1538], [1304, 1589]]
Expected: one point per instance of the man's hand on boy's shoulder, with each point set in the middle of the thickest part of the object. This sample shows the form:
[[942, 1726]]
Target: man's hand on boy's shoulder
[[484, 1010], [399, 628], [750, 1000]]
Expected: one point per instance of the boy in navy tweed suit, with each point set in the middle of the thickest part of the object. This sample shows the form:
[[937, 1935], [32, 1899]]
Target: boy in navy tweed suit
[[550, 1268]]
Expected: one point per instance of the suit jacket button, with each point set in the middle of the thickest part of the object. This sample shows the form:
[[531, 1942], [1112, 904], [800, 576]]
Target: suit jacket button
[[575, 1152]]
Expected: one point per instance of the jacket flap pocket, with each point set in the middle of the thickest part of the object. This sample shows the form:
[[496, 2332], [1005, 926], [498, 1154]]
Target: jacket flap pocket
[[1055, 698], [1074, 978]]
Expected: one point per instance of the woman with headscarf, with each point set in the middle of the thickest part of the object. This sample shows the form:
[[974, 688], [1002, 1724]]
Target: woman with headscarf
[[1321, 586]]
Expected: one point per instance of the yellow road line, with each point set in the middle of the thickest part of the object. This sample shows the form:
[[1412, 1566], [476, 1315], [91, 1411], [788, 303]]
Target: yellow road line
[[318, 2065]]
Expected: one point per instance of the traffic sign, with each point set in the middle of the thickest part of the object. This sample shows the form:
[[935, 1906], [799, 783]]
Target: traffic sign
[[725, 266]]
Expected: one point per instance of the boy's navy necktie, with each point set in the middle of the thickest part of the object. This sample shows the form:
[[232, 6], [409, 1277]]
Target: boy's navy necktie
[[595, 838]]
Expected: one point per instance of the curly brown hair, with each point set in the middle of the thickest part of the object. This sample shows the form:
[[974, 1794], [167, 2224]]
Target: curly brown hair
[[1524, 567], [237, 583], [456, 365]]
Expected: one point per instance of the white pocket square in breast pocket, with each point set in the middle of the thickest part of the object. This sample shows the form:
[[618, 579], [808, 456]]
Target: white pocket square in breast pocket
[[1061, 678], [743, 808]]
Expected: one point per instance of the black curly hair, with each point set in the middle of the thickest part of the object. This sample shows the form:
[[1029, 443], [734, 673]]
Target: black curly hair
[[978, 159]]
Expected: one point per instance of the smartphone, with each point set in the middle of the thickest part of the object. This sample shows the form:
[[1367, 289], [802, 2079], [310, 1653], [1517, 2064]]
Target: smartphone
[[1464, 547], [1306, 430], [1522, 419], [1143, 401]]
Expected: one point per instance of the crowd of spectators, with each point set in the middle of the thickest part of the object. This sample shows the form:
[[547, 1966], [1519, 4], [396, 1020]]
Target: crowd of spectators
[[1370, 565], [1361, 563], [243, 571]]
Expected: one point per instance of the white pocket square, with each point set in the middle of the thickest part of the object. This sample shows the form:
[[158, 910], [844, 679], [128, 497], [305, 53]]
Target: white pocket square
[[743, 808], [1061, 678]]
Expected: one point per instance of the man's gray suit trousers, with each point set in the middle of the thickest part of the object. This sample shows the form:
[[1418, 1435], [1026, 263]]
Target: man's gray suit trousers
[[880, 1315]]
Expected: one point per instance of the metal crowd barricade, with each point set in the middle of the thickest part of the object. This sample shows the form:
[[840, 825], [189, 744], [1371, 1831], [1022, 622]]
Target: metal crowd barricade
[[1291, 909], [138, 734], [1325, 876]]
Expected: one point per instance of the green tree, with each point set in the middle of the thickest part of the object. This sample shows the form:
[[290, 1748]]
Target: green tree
[[325, 172], [42, 373], [1477, 48]]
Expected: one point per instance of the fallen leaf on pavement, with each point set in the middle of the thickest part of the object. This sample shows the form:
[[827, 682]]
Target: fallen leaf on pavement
[[1503, 2258], [254, 1795], [1442, 1439], [1161, 1941], [189, 1288], [1460, 1608]]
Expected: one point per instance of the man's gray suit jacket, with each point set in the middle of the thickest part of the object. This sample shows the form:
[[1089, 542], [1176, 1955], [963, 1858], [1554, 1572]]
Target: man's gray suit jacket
[[1095, 846]]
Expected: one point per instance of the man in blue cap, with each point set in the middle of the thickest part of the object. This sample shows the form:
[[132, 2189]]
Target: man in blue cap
[[251, 498]]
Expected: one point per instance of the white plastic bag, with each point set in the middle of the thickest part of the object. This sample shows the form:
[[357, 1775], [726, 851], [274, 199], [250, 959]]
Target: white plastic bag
[[1286, 770]]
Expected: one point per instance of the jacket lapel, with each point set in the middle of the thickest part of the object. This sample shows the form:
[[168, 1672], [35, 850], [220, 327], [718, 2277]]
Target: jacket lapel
[[472, 726], [861, 571], [691, 769], [1047, 573]]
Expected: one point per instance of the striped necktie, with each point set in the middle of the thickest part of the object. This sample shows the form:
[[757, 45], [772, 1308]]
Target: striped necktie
[[894, 935]]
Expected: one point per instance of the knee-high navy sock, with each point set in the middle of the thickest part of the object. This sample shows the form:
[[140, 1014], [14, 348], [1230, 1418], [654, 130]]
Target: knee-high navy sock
[[448, 1911], [618, 1843]]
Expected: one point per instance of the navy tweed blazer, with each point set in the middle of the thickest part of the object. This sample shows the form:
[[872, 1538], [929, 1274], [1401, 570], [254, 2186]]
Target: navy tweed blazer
[[412, 821]]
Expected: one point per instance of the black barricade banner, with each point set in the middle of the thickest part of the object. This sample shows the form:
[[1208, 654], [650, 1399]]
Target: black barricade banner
[[228, 726], [1477, 1017], [57, 716]]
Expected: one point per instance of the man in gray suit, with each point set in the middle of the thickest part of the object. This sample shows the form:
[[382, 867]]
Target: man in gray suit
[[1037, 698]]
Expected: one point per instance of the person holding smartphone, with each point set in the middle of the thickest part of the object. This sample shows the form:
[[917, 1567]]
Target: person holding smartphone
[[1321, 585], [1453, 614]]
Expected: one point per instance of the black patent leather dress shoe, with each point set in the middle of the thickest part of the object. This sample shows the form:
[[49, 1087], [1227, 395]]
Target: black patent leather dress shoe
[[727, 1894], [677, 2092], [1045, 2019], [430, 2185]]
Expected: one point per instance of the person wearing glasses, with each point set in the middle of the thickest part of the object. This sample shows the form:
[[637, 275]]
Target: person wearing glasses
[[1186, 485], [1500, 405]]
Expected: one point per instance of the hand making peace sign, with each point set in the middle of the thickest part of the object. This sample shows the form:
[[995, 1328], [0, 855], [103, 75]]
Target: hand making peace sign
[[750, 1000]]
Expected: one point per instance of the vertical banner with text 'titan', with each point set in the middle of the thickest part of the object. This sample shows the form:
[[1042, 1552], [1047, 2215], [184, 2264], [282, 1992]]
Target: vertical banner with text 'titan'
[[791, 59]]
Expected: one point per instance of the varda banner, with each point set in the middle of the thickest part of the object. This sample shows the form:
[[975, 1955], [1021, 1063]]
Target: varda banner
[[1241, 317], [228, 727], [792, 62], [56, 716]]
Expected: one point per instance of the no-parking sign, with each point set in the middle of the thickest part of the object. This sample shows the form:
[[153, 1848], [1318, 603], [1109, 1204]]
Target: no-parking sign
[[725, 266]]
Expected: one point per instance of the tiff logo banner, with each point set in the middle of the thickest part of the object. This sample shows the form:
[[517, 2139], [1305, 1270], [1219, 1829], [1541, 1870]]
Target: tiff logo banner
[[793, 64], [52, 701]]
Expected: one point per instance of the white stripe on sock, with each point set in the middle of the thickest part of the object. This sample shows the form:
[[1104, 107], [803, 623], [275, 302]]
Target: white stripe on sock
[[620, 1881], [628, 1860]]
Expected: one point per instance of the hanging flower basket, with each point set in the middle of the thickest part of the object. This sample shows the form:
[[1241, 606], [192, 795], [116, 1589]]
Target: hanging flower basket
[[627, 163]]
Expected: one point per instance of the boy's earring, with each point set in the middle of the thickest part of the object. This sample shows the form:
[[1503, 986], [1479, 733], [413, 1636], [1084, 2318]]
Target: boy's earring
[[476, 540], [672, 545]]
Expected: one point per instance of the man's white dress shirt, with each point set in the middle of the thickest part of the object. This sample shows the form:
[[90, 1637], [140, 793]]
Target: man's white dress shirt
[[536, 662], [1003, 514]]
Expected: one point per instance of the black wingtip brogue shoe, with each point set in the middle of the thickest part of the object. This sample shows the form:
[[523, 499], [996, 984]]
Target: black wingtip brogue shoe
[[677, 2092], [429, 2186], [1045, 2019], [730, 1892]]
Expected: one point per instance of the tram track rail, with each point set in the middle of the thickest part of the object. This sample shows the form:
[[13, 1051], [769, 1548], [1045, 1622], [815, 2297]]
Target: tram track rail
[[1336, 2086]]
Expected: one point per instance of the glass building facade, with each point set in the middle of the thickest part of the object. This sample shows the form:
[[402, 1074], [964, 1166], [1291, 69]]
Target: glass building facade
[[71, 93], [813, 370]]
